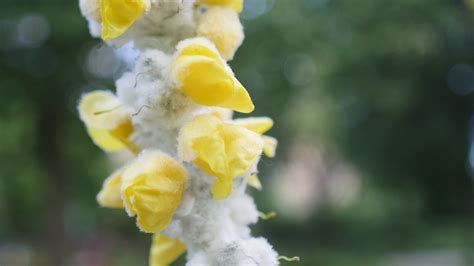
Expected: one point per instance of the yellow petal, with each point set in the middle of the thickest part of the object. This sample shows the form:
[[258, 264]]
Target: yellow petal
[[240, 100], [102, 110], [118, 15], [222, 188], [243, 148], [107, 122], [270, 146], [256, 124], [253, 181], [114, 140], [105, 140], [122, 133], [152, 188], [204, 80], [200, 127], [236, 5], [109, 196], [201, 74], [222, 26], [220, 149], [165, 250], [211, 155]]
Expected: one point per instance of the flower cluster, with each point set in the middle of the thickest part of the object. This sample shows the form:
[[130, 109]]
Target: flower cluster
[[173, 109]]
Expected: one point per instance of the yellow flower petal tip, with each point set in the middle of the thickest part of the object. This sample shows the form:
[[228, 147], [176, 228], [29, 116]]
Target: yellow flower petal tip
[[118, 15], [107, 122], [165, 250], [109, 196], [235, 5], [258, 125], [269, 149], [222, 27], [152, 187], [220, 149], [201, 74], [254, 182]]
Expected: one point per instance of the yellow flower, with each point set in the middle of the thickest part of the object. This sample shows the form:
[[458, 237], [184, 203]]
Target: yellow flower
[[236, 5], [220, 149], [118, 15], [222, 26], [165, 250], [109, 195], [152, 187], [201, 74], [260, 125], [107, 122]]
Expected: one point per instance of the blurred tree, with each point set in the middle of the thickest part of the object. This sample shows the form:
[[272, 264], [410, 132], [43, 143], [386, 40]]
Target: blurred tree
[[46, 162], [370, 79]]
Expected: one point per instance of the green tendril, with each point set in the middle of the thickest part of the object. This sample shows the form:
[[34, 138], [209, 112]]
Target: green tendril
[[267, 216], [285, 258]]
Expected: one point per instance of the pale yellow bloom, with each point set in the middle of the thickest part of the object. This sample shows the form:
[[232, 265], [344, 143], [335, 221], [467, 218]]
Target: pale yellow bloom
[[152, 187], [220, 149], [236, 5], [270, 146], [222, 26], [118, 15], [254, 181], [165, 250], [260, 125], [109, 195], [107, 122], [201, 74]]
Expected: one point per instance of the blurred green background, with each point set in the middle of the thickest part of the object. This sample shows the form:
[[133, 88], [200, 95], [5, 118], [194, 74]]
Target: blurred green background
[[373, 103]]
